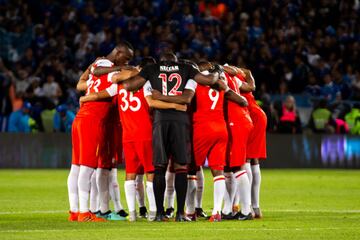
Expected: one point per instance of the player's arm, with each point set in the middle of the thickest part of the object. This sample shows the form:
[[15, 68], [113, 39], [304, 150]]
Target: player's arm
[[98, 71], [124, 75], [82, 84], [234, 97], [232, 70], [134, 83], [249, 85], [164, 105], [92, 97], [184, 98]]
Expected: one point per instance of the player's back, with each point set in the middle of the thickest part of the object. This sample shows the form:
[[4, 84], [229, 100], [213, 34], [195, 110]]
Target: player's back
[[134, 115], [169, 78]]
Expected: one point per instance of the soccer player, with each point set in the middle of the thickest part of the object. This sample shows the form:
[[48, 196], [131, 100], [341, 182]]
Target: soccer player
[[87, 132], [137, 138], [210, 137], [171, 83], [239, 128]]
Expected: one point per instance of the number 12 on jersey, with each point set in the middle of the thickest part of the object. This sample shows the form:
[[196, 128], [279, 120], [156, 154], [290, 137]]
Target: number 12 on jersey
[[164, 79]]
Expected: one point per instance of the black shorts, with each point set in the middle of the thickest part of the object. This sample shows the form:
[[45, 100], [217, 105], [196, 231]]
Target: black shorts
[[171, 138]]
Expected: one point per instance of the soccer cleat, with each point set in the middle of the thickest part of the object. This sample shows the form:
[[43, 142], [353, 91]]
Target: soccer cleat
[[257, 213], [103, 215], [169, 212], [111, 216], [132, 216], [200, 213], [215, 218], [227, 216], [192, 217], [73, 217], [242, 217], [152, 216], [89, 217], [143, 212], [160, 217], [122, 213], [182, 218]]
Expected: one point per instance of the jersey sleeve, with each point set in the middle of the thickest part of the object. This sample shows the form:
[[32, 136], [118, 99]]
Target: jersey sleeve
[[112, 90], [191, 85], [101, 63], [110, 75], [147, 89]]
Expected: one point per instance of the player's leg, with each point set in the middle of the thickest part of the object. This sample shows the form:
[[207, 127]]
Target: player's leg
[[199, 193], [243, 186], [145, 153], [228, 202], [114, 191], [140, 193], [94, 195], [255, 187], [191, 193], [181, 151], [160, 162], [131, 166], [170, 190]]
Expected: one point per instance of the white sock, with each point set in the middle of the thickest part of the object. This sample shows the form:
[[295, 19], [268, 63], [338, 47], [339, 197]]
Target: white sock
[[84, 183], [102, 180], [247, 167], [234, 190], [72, 183], [191, 194], [94, 194], [140, 190], [114, 190], [170, 189], [219, 191], [227, 195], [150, 196], [244, 188], [130, 193], [200, 188], [255, 188]]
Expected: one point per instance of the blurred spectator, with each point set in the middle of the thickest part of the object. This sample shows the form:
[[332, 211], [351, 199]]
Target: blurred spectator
[[63, 119], [313, 89], [20, 121], [289, 121], [51, 89], [321, 120], [47, 117], [355, 84], [353, 120], [329, 90]]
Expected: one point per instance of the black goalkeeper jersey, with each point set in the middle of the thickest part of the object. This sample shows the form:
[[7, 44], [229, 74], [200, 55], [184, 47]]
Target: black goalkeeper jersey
[[169, 78]]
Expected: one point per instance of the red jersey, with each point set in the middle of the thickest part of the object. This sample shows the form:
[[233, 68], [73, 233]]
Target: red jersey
[[98, 109], [209, 105], [235, 113], [134, 115]]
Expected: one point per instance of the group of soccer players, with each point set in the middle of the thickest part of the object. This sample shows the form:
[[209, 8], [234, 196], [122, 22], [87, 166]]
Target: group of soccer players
[[166, 119]]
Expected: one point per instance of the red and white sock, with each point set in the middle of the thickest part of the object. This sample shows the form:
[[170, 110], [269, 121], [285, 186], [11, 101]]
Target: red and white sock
[[170, 189], [191, 194], [114, 190], [94, 194], [227, 195], [255, 188], [245, 192], [219, 191], [72, 184], [130, 193], [84, 185], [150, 196], [140, 190], [102, 180], [200, 188]]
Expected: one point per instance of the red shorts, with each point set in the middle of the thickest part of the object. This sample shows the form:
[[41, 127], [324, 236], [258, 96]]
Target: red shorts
[[238, 139], [137, 154], [257, 138], [86, 136], [210, 141]]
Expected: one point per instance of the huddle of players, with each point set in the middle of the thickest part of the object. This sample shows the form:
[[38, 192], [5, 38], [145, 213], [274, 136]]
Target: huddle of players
[[222, 126]]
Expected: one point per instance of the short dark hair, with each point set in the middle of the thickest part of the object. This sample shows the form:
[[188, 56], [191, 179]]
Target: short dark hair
[[124, 43], [146, 61], [168, 56]]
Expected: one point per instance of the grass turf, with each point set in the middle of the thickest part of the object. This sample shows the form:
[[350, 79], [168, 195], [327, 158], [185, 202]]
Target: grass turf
[[297, 204]]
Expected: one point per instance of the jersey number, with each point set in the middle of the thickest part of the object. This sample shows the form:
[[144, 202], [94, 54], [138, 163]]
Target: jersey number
[[174, 91], [93, 84], [214, 97], [127, 104]]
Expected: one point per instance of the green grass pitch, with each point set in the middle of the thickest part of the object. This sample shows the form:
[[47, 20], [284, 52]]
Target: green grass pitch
[[297, 204]]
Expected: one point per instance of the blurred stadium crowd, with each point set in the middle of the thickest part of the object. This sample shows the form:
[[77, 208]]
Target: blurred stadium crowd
[[309, 49]]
